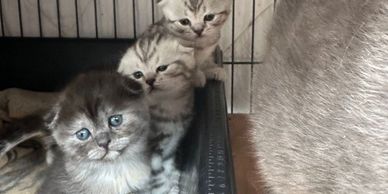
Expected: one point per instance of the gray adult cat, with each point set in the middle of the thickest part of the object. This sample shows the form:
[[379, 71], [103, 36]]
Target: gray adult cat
[[197, 24], [100, 126], [321, 98], [165, 69]]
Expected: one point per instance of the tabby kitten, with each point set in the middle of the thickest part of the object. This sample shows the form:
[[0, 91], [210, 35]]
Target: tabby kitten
[[100, 126], [197, 24], [165, 69]]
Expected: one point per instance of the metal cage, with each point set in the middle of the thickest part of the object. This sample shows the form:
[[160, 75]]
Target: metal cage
[[243, 40]]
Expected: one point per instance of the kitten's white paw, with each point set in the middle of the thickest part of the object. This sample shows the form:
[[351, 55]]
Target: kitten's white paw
[[199, 79], [216, 73]]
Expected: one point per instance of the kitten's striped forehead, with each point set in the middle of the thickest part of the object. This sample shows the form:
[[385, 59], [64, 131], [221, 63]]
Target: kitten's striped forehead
[[158, 45], [154, 48], [146, 47], [193, 5], [177, 9]]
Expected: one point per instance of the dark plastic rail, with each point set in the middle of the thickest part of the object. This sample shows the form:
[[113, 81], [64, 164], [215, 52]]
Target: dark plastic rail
[[215, 154]]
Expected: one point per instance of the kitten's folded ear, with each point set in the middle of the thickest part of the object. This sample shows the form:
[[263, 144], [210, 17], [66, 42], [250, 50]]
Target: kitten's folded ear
[[51, 116], [132, 86]]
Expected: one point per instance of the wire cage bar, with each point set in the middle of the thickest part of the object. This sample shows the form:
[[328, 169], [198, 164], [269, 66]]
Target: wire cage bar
[[243, 40]]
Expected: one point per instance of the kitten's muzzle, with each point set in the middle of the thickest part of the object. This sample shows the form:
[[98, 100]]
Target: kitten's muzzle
[[198, 31], [198, 28], [150, 82], [103, 140]]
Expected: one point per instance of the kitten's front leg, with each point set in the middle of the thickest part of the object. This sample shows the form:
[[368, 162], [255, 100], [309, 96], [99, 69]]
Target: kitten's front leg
[[205, 61], [213, 71], [166, 176], [199, 79]]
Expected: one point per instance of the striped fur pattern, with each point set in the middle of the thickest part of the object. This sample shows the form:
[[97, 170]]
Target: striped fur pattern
[[32, 127], [167, 69], [21, 130], [321, 98], [112, 158], [197, 24]]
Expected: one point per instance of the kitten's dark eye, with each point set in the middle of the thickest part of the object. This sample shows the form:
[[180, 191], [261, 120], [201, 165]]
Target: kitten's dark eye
[[115, 120], [83, 134], [185, 22], [209, 17], [138, 74], [161, 68]]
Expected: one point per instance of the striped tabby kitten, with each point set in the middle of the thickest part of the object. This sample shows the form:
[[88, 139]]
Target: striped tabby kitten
[[100, 126], [197, 24], [164, 68]]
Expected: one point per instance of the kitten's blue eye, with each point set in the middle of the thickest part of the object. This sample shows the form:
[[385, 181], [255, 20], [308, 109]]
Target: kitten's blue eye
[[138, 74], [115, 120], [161, 68], [209, 17], [83, 134], [185, 22]]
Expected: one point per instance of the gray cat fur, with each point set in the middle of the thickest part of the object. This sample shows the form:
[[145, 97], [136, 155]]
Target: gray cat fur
[[321, 98], [84, 166]]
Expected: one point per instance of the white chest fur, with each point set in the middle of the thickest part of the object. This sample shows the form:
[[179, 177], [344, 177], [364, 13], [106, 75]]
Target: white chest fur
[[121, 176]]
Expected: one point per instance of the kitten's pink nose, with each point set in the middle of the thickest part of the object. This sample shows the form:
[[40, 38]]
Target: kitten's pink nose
[[103, 140], [198, 31], [150, 82], [104, 144]]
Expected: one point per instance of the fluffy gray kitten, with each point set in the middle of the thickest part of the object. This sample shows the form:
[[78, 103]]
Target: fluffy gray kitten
[[321, 98], [197, 24], [100, 126], [165, 69]]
